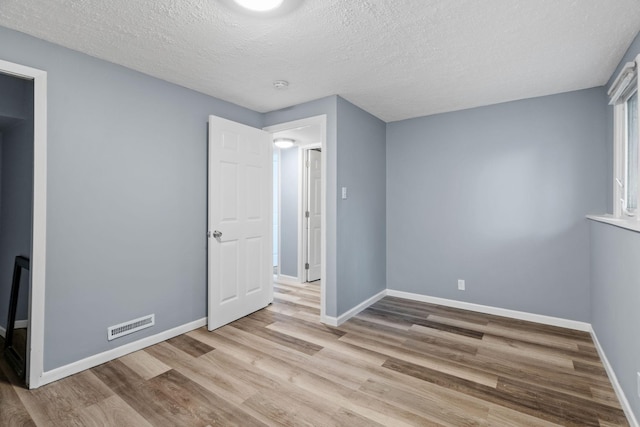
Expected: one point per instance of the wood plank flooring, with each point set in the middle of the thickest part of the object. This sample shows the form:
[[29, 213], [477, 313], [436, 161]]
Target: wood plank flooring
[[398, 363]]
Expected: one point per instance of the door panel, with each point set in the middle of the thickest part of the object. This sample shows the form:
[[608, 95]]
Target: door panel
[[239, 260], [253, 193], [315, 215], [228, 270], [228, 191], [254, 257]]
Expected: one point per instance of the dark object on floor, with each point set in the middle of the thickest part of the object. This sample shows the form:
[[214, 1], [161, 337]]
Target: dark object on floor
[[16, 361]]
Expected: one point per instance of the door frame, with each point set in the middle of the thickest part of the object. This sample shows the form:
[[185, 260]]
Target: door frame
[[322, 121], [35, 331], [303, 232]]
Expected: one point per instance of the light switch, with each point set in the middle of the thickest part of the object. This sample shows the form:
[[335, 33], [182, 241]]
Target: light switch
[[344, 193]]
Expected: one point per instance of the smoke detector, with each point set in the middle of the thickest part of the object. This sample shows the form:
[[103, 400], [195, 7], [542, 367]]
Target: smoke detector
[[280, 84]]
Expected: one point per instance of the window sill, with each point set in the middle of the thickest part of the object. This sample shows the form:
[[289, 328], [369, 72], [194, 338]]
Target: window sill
[[632, 224]]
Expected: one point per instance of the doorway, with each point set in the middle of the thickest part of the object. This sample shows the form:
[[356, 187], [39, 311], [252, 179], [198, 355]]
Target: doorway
[[26, 190], [16, 193], [299, 210]]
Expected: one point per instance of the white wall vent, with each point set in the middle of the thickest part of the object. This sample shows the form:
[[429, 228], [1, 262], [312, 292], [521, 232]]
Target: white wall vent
[[126, 328]]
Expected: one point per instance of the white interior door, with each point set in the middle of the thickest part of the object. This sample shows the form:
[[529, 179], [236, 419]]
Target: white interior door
[[314, 220], [239, 238]]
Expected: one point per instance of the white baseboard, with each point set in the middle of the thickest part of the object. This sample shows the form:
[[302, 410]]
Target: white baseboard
[[521, 315], [626, 407], [337, 321], [286, 280], [19, 324], [329, 320], [100, 358]]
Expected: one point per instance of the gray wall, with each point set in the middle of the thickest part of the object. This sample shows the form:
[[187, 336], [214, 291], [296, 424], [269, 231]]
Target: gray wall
[[615, 277], [16, 179], [497, 196], [289, 178], [126, 209], [328, 107], [615, 292], [361, 217]]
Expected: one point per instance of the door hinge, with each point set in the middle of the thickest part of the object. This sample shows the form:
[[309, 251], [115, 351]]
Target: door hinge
[[307, 163], [306, 214], [306, 266]]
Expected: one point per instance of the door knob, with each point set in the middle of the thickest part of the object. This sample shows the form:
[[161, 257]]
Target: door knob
[[217, 234]]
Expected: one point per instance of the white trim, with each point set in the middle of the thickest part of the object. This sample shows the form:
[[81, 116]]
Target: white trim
[[286, 280], [337, 321], [618, 160], [300, 261], [626, 407], [279, 262], [35, 331], [35, 357], [330, 320], [632, 224], [303, 232], [323, 220], [322, 121], [19, 324], [114, 353], [496, 311], [621, 84]]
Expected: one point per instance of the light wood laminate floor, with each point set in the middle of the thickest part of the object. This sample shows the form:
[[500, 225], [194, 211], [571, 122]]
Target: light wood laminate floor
[[398, 363]]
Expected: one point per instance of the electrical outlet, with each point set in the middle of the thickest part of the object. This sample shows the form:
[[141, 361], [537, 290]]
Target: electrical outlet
[[461, 285], [638, 383]]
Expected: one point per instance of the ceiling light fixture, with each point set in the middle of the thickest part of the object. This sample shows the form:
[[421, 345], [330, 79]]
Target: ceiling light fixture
[[284, 142], [259, 5], [262, 9]]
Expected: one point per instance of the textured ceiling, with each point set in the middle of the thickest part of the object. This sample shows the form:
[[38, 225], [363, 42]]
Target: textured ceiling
[[395, 58]]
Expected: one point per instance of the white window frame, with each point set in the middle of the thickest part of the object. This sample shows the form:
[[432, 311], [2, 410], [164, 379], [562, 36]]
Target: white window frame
[[623, 88]]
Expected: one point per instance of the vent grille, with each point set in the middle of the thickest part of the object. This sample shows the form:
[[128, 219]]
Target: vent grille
[[126, 328]]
